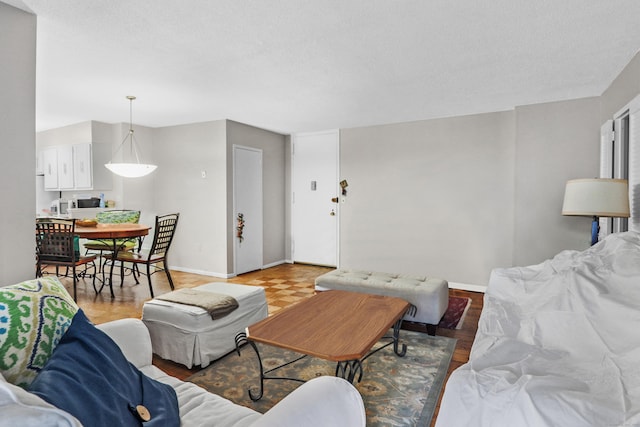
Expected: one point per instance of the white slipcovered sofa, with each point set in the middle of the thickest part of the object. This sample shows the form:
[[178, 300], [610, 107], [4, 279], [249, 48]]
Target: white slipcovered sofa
[[557, 344], [323, 401]]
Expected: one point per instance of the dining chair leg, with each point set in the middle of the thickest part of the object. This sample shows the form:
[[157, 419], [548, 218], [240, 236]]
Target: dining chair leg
[[149, 278], [95, 272], [93, 282], [111, 277], [121, 273], [103, 265], [73, 270], [166, 270]]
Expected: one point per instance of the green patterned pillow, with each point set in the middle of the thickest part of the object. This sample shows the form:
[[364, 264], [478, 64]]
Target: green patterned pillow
[[33, 317]]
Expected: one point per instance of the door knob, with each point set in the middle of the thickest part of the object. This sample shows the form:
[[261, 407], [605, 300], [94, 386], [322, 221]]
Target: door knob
[[334, 199]]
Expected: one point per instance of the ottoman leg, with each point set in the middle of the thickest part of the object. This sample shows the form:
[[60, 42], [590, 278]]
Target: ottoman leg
[[431, 329]]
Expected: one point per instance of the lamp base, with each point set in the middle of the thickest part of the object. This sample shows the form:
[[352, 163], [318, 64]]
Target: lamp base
[[595, 229]]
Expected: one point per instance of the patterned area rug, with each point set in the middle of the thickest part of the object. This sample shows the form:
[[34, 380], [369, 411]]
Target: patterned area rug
[[397, 391], [456, 312]]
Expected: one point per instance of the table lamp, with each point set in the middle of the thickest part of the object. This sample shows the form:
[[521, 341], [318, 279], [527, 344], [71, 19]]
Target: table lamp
[[597, 197]]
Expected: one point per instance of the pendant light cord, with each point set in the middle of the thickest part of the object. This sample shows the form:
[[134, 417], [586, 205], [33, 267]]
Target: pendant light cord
[[134, 150]]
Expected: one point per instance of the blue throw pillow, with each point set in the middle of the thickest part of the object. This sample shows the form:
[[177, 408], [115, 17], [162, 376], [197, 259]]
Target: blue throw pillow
[[89, 377]]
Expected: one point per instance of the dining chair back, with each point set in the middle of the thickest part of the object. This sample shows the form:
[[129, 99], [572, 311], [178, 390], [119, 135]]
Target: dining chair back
[[57, 245], [165, 228], [123, 216], [164, 231]]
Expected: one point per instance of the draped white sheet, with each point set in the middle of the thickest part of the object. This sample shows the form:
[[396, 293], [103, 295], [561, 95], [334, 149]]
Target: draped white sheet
[[558, 344]]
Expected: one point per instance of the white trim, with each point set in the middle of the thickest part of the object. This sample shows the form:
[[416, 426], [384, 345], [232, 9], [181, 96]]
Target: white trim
[[274, 264], [203, 272], [468, 287], [323, 132]]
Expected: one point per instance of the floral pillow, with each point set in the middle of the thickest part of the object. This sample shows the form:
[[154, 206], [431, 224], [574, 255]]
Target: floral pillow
[[33, 317]]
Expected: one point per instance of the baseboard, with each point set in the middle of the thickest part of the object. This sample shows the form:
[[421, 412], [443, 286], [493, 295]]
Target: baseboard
[[220, 275], [273, 264], [203, 272], [468, 287]]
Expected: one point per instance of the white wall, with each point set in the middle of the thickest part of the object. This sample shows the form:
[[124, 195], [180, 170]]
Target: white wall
[[457, 197], [182, 153], [622, 90], [555, 142], [73, 134], [17, 140], [432, 197]]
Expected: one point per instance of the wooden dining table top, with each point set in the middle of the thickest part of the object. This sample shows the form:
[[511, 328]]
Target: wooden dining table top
[[112, 231]]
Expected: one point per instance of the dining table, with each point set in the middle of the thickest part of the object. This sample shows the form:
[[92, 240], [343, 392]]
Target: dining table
[[110, 234]]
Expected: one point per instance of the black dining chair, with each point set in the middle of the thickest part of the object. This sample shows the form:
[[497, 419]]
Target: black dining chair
[[165, 228], [57, 245]]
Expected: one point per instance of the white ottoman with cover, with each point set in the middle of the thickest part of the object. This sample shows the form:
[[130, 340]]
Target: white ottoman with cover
[[187, 334], [430, 296]]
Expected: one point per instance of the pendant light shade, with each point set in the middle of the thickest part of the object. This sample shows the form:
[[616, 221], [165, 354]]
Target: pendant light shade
[[130, 170], [133, 169]]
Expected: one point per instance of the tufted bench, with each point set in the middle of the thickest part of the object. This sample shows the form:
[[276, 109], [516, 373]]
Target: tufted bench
[[430, 296], [186, 334]]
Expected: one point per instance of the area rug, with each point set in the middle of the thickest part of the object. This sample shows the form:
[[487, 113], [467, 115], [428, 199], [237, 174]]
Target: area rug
[[397, 391], [456, 312]]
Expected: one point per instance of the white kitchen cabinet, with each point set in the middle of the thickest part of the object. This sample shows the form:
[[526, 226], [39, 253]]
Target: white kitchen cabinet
[[50, 168], [77, 167], [82, 176], [65, 167]]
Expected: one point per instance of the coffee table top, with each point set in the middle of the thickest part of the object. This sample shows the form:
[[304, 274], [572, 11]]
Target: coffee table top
[[332, 325]]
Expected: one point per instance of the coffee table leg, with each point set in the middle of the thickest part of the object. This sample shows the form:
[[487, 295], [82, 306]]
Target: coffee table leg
[[241, 339], [349, 369], [396, 340]]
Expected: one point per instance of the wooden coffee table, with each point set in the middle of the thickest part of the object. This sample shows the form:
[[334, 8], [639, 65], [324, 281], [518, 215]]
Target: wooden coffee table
[[335, 325]]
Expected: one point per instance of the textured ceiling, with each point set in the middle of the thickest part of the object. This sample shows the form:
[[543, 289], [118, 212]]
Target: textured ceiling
[[309, 65]]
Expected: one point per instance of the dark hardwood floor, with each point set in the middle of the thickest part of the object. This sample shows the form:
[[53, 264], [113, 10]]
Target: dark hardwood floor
[[284, 285]]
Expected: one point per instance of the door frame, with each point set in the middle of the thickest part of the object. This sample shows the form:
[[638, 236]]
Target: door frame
[[294, 138]]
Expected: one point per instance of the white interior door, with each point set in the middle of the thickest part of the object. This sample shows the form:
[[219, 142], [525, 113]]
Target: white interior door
[[314, 215], [247, 208]]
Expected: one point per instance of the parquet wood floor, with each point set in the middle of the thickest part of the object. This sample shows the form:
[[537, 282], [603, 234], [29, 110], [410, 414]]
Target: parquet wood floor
[[284, 285]]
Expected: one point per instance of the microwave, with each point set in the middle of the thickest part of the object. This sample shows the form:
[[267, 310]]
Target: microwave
[[60, 207]]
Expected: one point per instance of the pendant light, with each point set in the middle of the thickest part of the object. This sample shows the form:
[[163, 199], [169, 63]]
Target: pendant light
[[130, 170]]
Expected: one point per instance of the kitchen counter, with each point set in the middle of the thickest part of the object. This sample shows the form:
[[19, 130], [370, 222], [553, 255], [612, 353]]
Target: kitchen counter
[[80, 213]]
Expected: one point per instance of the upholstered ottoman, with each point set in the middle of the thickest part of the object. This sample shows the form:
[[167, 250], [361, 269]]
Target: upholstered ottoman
[[430, 296], [186, 334]]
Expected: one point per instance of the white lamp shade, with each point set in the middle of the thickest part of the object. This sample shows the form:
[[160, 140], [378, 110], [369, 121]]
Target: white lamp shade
[[130, 170], [596, 197]]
